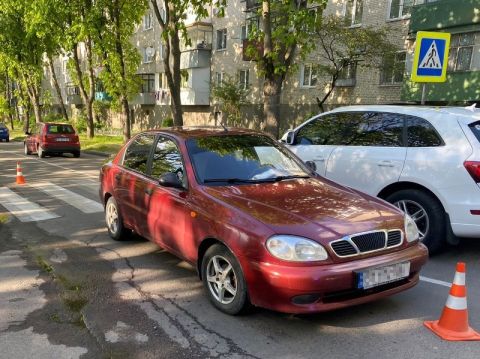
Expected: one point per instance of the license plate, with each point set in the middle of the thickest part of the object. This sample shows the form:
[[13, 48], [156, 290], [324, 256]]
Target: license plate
[[374, 277], [62, 139]]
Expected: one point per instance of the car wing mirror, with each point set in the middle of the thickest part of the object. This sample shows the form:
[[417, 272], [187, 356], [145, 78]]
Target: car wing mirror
[[170, 179], [290, 137], [311, 165]]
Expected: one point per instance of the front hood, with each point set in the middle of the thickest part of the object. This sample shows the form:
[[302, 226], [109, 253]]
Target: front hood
[[312, 208]]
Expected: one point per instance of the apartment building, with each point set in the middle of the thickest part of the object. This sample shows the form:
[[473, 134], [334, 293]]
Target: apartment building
[[217, 50]]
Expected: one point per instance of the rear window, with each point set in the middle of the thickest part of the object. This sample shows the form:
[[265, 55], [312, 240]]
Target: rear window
[[60, 129], [475, 127]]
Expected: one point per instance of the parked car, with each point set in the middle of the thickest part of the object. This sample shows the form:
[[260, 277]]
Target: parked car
[[258, 225], [52, 138], [424, 160], [4, 133]]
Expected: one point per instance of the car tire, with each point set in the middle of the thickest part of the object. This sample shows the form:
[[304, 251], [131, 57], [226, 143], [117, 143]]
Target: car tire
[[76, 154], [431, 220], [40, 152], [8, 140], [25, 150], [114, 221], [226, 290]]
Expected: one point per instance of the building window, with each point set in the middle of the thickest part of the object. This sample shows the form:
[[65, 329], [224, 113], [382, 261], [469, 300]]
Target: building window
[[184, 80], [353, 12], [400, 8], [348, 71], [461, 51], [219, 78], [243, 79], [393, 69], [148, 83], [162, 81], [308, 76], [148, 21], [148, 54], [221, 39]]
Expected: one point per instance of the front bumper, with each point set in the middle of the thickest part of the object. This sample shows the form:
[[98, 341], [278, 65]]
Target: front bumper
[[4, 136], [332, 286]]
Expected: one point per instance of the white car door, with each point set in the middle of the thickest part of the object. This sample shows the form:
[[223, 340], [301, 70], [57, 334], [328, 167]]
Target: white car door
[[372, 153], [316, 140]]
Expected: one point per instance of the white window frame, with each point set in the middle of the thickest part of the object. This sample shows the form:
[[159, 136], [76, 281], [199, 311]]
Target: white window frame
[[351, 23], [455, 49], [148, 59], [399, 15], [312, 70], [219, 76], [148, 21], [223, 34], [245, 82], [392, 81]]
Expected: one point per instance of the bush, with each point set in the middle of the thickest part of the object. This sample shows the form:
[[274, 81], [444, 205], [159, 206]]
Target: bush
[[167, 122]]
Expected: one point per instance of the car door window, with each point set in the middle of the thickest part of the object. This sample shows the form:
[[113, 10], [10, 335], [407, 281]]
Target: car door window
[[167, 158], [321, 131], [374, 129], [422, 134], [137, 154]]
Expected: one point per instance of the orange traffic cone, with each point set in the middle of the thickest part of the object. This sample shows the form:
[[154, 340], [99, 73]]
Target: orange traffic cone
[[20, 178], [453, 323]]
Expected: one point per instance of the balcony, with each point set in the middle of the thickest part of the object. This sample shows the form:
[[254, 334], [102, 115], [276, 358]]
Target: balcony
[[74, 99], [249, 44], [444, 14], [199, 57], [252, 4], [195, 97], [346, 82], [144, 99]]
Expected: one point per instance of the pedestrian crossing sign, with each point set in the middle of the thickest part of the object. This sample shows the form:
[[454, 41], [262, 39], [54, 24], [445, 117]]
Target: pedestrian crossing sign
[[430, 59]]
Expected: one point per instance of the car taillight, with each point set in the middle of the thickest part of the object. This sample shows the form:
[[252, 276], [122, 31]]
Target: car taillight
[[76, 139], [473, 167]]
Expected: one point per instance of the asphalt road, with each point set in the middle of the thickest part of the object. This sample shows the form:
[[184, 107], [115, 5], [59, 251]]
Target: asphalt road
[[68, 291]]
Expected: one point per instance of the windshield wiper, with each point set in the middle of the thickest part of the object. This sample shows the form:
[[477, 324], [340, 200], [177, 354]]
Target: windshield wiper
[[230, 180], [259, 180]]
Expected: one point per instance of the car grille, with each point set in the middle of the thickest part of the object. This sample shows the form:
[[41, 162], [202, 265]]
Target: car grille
[[366, 242]]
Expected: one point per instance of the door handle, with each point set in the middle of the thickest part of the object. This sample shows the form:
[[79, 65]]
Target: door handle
[[385, 164], [148, 191], [320, 159]]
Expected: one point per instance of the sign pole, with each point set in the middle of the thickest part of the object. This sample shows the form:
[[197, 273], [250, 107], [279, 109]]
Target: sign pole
[[424, 93]]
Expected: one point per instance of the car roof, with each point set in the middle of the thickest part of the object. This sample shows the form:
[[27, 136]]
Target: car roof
[[57, 123], [466, 115], [187, 132]]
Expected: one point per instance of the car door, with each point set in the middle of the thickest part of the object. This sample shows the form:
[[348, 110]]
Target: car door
[[34, 138], [316, 140], [372, 153], [166, 212], [131, 180]]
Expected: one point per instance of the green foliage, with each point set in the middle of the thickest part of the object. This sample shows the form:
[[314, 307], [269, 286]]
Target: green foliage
[[167, 122], [231, 97], [341, 46]]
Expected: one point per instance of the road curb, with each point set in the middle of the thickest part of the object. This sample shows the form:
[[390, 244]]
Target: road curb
[[97, 153]]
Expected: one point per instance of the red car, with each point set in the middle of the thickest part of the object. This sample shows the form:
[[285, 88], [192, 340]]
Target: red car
[[260, 226], [52, 138]]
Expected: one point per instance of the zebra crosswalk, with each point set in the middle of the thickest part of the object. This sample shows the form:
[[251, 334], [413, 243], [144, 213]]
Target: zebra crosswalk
[[29, 211]]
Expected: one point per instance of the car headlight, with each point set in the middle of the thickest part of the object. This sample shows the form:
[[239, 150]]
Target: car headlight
[[411, 230], [296, 249]]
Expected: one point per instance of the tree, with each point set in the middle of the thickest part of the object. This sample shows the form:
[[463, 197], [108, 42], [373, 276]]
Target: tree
[[171, 16], [342, 48], [120, 58], [284, 32], [231, 97]]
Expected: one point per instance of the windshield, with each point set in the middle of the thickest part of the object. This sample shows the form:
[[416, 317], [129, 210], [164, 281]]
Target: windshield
[[241, 159], [60, 129]]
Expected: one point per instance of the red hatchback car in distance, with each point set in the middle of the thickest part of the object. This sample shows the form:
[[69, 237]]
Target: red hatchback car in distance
[[260, 226], [52, 138]]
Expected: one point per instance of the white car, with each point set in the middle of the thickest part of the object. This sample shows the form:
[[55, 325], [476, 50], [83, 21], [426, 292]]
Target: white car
[[424, 160]]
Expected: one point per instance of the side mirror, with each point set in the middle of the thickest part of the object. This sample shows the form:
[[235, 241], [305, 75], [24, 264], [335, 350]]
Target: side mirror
[[170, 179], [290, 137], [311, 166]]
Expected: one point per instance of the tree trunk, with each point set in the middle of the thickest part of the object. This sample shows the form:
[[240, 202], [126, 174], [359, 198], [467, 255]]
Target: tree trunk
[[126, 113], [57, 88], [272, 88], [86, 98], [34, 96], [321, 102], [26, 120]]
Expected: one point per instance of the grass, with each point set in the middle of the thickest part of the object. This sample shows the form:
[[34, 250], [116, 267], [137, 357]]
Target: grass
[[3, 218], [17, 135], [101, 143]]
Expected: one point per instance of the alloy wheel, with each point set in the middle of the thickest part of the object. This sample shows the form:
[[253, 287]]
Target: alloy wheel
[[221, 279], [112, 217], [418, 214]]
